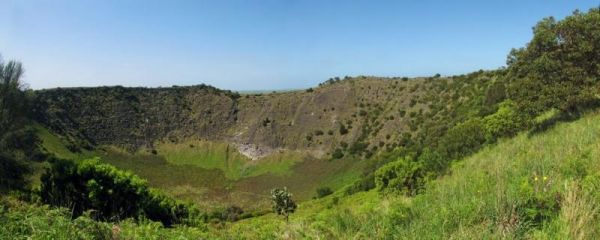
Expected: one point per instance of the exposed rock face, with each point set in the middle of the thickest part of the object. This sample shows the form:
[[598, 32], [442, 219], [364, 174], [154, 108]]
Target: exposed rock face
[[254, 151]]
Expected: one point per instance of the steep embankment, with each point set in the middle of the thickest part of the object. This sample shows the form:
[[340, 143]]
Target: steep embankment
[[377, 112]]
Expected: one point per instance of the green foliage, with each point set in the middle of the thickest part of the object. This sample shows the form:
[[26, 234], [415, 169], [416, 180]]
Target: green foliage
[[111, 194], [343, 129], [337, 154], [283, 204], [18, 142], [538, 202], [12, 173], [20, 220], [432, 161], [506, 122], [463, 139], [402, 176], [365, 183], [495, 94], [13, 101], [559, 67]]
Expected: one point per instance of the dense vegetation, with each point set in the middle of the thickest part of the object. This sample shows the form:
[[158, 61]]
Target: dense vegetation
[[457, 157], [17, 139], [110, 193]]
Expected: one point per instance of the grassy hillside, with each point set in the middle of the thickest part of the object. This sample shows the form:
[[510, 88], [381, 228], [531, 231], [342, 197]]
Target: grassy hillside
[[542, 186]]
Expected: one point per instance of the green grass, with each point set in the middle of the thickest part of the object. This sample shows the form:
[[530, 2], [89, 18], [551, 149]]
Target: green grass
[[54, 144], [22, 220]]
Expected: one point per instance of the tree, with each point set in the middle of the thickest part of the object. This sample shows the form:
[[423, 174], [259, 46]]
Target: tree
[[283, 204], [12, 99], [559, 67], [13, 134]]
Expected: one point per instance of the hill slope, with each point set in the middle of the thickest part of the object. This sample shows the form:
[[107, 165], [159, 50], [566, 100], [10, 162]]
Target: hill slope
[[542, 186]]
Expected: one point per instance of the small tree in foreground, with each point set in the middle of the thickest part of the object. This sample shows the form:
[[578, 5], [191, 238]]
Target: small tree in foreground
[[282, 202]]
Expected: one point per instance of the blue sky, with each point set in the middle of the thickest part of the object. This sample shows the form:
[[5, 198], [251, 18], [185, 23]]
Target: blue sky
[[250, 45]]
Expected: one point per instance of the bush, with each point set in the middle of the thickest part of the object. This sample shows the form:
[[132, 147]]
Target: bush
[[363, 184], [432, 161], [463, 139], [337, 154], [343, 129], [401, 176], [323, 192], [12, 173], [506, 122], [539, 202], [232, 213], [112, 194]]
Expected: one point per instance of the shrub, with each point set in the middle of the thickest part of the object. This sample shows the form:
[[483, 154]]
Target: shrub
[[463, 139], [432, 161], [401, 176], [309, 137], [232, 213], [358, 147], [402, 113], [495, 94], [283, 204], [337, 154], [112, 194], [363, 184], [12, 173], [538, 201], [343, 129], [506, 122]]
